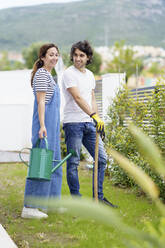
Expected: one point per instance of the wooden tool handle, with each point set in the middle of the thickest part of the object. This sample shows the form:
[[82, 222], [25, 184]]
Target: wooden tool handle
[[96, 167]]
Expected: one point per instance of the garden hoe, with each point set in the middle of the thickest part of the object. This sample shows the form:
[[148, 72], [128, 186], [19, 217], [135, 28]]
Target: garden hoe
[[96, 167]]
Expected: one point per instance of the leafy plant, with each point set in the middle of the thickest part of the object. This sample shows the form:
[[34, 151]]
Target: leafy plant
[[147, 114]]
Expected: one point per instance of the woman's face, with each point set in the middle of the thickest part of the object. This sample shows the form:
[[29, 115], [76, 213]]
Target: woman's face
[[51, 58]]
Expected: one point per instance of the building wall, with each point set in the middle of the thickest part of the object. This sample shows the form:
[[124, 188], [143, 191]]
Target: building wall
[[110, 85], [16, 104]]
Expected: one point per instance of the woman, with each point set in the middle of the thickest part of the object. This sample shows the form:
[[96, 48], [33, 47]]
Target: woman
[[46, 123]]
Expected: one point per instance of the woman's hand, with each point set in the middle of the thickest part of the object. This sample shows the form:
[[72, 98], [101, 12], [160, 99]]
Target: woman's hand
[[42, 132]]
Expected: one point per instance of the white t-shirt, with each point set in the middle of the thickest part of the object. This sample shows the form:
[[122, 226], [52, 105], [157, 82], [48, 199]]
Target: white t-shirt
[[85, 82]]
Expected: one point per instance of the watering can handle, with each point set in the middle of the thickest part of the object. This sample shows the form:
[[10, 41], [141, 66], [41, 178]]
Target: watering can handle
[[21, 156], [46, 142]]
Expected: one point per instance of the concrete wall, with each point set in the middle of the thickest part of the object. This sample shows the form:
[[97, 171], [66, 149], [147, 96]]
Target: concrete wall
[[110, 85], [16, 104]]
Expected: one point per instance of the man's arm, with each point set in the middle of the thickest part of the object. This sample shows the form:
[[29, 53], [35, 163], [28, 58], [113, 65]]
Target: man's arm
[[74, 91]]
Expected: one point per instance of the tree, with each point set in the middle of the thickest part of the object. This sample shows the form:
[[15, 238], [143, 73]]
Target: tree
[[8, 65], [66, 59], [124, 60], [17, 65], [30, 54], [96, 63], [4, 62], [156, 69]]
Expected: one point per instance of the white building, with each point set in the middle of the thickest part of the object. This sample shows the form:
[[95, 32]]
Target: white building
[[106, 90], [16, 102]]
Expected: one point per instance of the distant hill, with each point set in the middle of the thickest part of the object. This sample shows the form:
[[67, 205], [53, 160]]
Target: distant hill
[[102, 22]]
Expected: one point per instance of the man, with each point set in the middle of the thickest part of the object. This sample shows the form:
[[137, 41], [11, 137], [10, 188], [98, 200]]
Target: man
[[80, 108]]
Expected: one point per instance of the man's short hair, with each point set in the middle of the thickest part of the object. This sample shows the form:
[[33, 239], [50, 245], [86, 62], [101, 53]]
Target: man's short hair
[[83, 46]]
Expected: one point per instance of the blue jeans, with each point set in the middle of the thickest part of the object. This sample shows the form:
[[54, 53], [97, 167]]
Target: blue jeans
[[77, 134]]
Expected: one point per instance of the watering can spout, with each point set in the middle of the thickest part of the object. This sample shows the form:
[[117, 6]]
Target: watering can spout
[[71, 153]]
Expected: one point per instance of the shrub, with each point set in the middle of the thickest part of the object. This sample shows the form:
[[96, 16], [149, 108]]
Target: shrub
[[150, 116]]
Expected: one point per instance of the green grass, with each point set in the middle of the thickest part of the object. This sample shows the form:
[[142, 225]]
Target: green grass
[[64, 230]]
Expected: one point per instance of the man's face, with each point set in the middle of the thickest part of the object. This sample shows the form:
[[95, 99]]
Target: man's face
[[79, 59]]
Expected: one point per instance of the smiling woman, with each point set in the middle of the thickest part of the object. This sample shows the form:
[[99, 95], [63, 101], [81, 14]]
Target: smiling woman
[[22, 3], [46, 123]]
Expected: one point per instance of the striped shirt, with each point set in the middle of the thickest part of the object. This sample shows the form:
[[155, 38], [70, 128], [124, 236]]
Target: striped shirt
[[44, 82]]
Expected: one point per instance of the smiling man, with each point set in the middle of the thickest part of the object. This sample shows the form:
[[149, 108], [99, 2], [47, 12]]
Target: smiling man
[[80, 117]]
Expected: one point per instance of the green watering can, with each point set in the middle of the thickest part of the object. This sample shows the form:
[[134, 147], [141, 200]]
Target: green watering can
[[40, 163]]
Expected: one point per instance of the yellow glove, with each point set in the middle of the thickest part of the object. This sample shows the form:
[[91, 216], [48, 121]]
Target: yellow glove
[[99, 125]]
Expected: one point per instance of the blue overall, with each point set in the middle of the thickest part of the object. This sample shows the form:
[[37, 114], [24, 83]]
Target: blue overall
[[44, 188]]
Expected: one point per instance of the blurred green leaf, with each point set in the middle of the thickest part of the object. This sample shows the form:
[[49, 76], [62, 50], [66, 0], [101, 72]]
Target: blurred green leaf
[[148, 149], [89, 209]]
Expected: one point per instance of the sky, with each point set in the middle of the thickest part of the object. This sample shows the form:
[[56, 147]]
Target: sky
[[17, 3]]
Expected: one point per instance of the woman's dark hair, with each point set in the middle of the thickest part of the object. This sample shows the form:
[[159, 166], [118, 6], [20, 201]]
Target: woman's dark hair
[[39, 62], [83, 46]]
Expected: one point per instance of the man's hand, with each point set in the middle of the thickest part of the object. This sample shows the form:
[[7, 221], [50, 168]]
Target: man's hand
[[99, 125]]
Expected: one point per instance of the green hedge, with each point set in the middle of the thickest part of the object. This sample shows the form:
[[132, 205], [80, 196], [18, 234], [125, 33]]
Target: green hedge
[[148, 115]]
